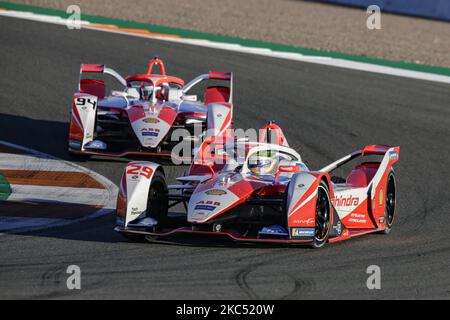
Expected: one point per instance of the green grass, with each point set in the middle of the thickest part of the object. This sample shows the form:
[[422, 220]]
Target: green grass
[[5, 188]]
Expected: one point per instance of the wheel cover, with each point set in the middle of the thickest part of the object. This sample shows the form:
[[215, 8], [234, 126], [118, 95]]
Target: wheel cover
[[322, 215]]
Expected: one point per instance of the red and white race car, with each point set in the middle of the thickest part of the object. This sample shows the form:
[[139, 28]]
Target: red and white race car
[[140, 118], [261, 192]]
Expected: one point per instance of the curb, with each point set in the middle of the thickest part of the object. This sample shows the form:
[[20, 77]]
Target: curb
[[96, 200]]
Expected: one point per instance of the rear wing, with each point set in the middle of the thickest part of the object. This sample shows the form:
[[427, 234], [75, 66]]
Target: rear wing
[[101, 69], [391, 154], [214, 75]]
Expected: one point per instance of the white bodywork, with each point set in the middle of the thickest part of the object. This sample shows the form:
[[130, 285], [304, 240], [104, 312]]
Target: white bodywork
[[136, 185], [86, 106]]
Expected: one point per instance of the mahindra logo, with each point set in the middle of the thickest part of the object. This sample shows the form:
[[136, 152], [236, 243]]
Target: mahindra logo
[[342, 201]]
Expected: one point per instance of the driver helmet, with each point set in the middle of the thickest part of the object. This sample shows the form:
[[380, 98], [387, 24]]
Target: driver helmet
[[146, 92], [264, 163]]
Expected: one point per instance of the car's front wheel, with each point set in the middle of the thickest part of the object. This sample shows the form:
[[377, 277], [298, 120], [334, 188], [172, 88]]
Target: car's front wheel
[[323, 216], [390, 203]]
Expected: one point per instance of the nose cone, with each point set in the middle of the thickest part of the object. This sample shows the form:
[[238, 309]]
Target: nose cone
[[151, 126], [208, 203], [215, 197]]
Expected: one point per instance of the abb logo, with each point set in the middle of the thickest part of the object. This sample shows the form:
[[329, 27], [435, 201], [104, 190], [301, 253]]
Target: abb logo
[[138, 170], [214, 203]]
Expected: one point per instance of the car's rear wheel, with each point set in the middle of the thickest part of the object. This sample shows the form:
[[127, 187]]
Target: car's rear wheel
[[323, 216], [390, 203]]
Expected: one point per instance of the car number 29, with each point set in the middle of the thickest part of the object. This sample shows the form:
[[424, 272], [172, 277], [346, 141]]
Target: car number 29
[[143, 171]]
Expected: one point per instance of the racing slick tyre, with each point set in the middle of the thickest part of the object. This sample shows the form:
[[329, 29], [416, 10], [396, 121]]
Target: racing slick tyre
[[158, 203], [323, 215], [390, 203]]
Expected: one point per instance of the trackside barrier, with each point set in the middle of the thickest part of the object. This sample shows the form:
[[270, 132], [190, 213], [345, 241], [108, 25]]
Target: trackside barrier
[[432, 9]]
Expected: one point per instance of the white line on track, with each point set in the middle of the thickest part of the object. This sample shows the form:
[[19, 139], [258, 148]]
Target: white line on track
[[83, 196]]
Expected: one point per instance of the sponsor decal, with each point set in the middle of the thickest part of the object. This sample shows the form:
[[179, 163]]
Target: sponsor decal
[[381, 197], [342, 201], [393, 155], [135, 211], [358, 218], [301, 186], [308, 222], [205, 207], [214, 203], [150, 134], [302, 232], [216, 192], [274, 230], [338, 228], [151, 120]]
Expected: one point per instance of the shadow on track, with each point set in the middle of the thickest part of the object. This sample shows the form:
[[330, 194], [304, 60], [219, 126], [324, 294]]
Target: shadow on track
[[101, 230], [41, 135]]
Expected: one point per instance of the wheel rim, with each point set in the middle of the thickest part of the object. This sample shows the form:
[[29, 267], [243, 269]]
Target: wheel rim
[[322, 215], [390, 201]]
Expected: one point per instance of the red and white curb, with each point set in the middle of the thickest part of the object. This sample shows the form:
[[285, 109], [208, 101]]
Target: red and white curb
[[49, 192]]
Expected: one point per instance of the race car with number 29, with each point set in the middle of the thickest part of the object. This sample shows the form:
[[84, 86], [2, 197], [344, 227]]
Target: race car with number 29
[[140, 118], [261, 192]]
